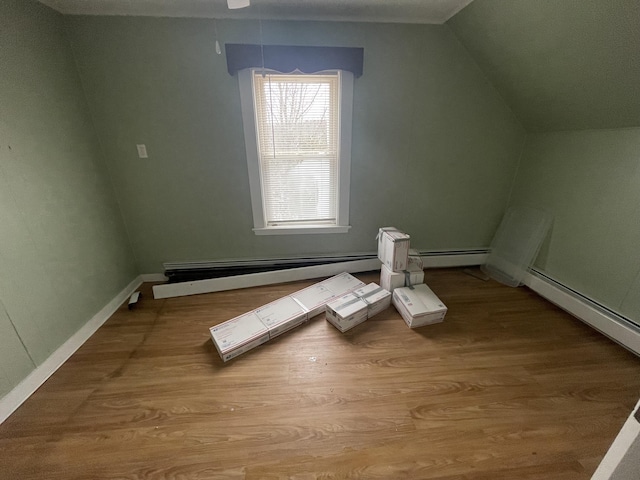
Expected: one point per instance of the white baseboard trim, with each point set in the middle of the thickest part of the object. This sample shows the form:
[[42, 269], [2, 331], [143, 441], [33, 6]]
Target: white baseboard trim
[[153, 277], [615, 457], [457, 260], [304, 273], [16, 397], [263, 278], [606, 324]]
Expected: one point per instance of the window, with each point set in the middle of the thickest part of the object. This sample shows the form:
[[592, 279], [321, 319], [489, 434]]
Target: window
[[298, 139]]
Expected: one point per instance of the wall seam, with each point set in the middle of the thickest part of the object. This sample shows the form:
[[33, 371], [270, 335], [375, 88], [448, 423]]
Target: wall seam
[[486, 78]]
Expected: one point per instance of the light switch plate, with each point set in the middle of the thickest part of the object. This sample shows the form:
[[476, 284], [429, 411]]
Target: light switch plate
[[142, 150]]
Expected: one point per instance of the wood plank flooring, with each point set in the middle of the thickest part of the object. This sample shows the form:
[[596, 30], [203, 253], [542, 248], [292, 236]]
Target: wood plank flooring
[[508, 387]]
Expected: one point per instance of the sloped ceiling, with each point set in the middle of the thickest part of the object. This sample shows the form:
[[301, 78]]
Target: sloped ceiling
[[559, 64], [397, 11]]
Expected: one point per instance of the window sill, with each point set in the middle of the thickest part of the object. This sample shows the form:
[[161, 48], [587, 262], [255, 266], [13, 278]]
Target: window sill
[[311, 229]]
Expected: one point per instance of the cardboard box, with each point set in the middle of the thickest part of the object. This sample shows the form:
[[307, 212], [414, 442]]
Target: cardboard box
[[376, 298], [415, 259], [254, 328], [391, 280], [281, 315], [342, 283], [314, 298], [238, 335], [419, 306], [393, 248], [346, 312]]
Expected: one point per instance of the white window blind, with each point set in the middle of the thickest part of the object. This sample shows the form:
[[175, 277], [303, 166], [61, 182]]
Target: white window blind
[[297, 123]]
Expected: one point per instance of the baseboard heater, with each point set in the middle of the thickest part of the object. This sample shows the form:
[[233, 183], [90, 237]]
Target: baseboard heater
[[612, 324], [191, 271], [178, 272]]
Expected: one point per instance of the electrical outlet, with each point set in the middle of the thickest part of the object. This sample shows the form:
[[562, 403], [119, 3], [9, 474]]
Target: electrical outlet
[[142, 150]]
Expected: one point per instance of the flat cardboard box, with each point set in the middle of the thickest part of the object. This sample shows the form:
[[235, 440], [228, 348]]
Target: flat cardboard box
[[419, 306], [393, 248], [238, 335], [342, 283], [391, 280], [281, 315], [376, 298], [254, 328], [315, 298], [346, 312]]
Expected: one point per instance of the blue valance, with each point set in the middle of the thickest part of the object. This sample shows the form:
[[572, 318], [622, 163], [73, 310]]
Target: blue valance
[[286, 59]]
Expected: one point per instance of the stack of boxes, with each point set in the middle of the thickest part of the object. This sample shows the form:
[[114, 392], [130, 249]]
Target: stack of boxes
[[240, 334], [402, 273], [345, 299]]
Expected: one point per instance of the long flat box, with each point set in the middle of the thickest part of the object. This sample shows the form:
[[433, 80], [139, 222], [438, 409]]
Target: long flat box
[[254, 328], [389, 280], [239, 335], [346, 312], [314, 298], [376, 298], [342, 283], [281, 315], [393, 248], [419, 306]]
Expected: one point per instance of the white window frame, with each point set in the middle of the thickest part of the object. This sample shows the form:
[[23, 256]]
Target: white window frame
[[245, 81]]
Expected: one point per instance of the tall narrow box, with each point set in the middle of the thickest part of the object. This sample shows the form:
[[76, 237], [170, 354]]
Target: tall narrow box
[[281, 315], [346, 312], [419, 306], [238, 335], [376, 298], [393, 248]]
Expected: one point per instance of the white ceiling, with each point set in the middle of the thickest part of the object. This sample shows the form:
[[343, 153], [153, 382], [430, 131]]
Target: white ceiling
[[396, 11]]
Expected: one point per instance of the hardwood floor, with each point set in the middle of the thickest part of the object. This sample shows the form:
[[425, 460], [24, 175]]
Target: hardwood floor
[[508, 387]]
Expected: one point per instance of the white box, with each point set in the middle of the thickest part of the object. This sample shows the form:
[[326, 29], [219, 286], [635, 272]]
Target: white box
[[376, 298], [342, 283], [419, 306], [281, 315], [315, 298], [415, 259], [238, 335], [346, 312], [391, 280], [393, 248]]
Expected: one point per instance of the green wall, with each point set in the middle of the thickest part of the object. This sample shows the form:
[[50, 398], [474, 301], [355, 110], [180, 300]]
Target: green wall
[[572, 68], [560, 64], [590, 182], [434, 146], [64, 252]]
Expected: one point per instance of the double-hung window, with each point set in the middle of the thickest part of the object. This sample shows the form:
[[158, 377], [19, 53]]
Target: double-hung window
[[298, 139]]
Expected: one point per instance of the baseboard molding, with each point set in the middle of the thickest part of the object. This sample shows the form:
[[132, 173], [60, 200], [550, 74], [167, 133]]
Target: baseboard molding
[[614, 328], [461, 259], [16, 397], [435, 260], [263, 278], [153, 277], [617, 456]]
